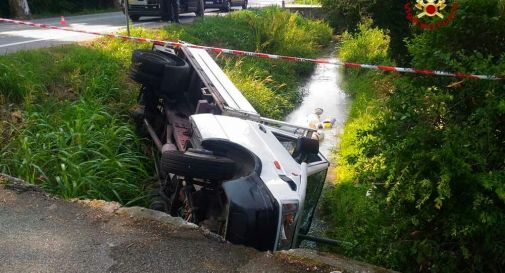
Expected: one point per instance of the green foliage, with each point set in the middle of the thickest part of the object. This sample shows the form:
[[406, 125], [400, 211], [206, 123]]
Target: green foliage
[[77, 149], [259, 89], [386, 14], [286, 33], [82, 149], [67, 6], [368, 45], [366, 106], [4, 9], [346, 13], [435, 153], [354, 217], [358, 220]]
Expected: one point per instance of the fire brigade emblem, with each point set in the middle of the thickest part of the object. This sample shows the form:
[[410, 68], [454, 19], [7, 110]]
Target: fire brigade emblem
[[430, 8], [430, 14]]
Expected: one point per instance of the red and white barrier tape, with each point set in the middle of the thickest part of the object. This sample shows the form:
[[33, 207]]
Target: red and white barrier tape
[[264, 55]]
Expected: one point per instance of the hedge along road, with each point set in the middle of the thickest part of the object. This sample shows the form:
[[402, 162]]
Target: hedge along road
[[15, 37]]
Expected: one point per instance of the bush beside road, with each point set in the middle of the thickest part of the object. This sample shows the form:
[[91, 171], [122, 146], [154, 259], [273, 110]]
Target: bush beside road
[[429, 149]]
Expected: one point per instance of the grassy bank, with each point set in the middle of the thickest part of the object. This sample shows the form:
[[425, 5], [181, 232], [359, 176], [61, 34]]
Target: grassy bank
[[65, 111]]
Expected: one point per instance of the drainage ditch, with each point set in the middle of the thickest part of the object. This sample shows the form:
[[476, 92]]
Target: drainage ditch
[[323, 90]]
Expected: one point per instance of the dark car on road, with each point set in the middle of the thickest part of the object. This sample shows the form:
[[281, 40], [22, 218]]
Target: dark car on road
[[139, 8], [225, 5]]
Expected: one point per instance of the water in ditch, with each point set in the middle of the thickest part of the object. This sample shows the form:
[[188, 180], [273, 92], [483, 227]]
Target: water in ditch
[[323, 90]]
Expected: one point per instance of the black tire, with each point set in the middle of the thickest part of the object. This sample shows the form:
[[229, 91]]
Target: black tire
[[134, 18], [227, 7], [154, 62], [200, 8], [196, 164], [158, 202], [145, 78], [244, 5], [165, 72], [138, 116]]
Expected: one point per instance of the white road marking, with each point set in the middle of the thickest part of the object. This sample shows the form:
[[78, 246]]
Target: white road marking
[[24, 42]]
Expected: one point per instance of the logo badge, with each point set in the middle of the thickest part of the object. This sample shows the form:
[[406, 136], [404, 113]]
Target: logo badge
[[431, 14], [430, 8]]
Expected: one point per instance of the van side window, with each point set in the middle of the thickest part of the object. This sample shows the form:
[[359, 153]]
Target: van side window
[[315, 184]]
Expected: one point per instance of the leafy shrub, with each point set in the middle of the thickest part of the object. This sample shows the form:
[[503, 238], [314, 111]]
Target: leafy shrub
[[346, 13], [436, 153], [368, 45], [4, 9], [67, 6], [386, 14]]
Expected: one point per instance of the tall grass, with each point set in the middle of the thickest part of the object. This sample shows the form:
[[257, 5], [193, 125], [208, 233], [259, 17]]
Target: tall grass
[[286, 33], [74, 138], [368, 88], [78, 149]]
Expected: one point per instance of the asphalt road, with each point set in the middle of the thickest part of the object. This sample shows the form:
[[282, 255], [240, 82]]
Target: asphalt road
[[16, 37], [41, 234]]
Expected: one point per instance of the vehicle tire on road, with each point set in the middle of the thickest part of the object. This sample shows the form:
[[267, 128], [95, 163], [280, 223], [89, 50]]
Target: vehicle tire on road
[[227, 7], [200, 8], [134, 18], [197, 164], [244, 6]]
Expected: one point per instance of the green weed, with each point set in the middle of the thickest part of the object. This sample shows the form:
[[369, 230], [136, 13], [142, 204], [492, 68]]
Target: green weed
[[78, 149], [74, 139]]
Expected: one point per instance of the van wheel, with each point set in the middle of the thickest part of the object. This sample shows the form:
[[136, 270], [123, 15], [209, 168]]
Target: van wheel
[[159, 70], [145, 79], [157, 202], [197, 164], [227, 7], [200, 8], [154, 62], [134, 18]]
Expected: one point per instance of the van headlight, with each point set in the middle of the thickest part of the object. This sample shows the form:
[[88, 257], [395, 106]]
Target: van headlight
[[288, 225]]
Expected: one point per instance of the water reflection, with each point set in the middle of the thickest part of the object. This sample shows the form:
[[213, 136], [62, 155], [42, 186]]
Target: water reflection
[[323, 90]]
